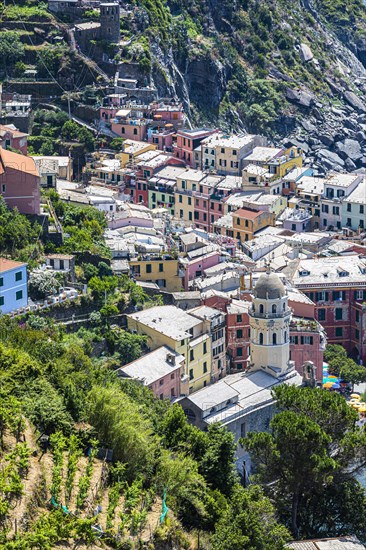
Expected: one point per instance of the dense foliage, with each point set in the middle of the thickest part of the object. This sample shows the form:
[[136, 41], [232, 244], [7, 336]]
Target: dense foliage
[[307, 463]]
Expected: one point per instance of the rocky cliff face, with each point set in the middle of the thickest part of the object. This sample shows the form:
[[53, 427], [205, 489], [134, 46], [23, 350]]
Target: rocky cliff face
[[293, 70]]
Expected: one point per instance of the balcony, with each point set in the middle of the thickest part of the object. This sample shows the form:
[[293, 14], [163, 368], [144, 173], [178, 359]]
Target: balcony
[[258, 315]]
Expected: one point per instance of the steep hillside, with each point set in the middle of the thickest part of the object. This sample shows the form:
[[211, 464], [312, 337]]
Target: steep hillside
[[282, 68]]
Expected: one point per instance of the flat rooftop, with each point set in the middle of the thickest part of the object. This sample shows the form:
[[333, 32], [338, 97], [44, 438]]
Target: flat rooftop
[[153, 366], [169, 320], [263, 154], [358, 195]]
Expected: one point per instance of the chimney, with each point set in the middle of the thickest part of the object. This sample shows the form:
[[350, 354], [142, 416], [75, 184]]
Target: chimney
[[170, 358]]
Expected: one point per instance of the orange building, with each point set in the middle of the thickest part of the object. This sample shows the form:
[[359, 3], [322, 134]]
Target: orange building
[[247, 222]]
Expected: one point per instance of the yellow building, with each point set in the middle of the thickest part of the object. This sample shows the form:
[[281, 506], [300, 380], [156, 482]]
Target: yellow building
[[247, 222], [192, 194], [183, 333], [157, 269], [265, 167], [132, 149], [225, 153]]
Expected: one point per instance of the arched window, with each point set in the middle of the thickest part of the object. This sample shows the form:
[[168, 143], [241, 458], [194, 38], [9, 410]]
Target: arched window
[[274, 308], [261, 309], [274, 339], [284, 306], [261, 338]]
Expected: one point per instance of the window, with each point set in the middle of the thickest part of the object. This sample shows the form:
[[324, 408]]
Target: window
[[261, 338], [306, 340], [325, 208], [161, 382], [238, 221], [338, 313], [336, 210], [294, 340], [1, 281], [357, 316], [239, 333], [189, 201], [339, 295], [172, 376], [19, 295], [238, 319], [191, 355], [18, 276], [182, 342], [357, 334], [339, 331], [190, 216], [261, 308], [349, 207], [172, 392], [148, 268], [274, 339], [204, 347], [239, 352], [1, 300], [205, 367], [239, 366], [135, 131], [3, 188], [161, 268], [274, 308], [123, 130], [242, 430], [180, 198], [361, 208], [321, 314], [191, 374], [349, 222]]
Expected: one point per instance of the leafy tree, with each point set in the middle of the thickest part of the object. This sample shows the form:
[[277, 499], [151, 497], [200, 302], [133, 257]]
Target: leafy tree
[[43, 284], [308, 454], [120, 426], [128, 346], [249, 522], [44, 406], [16, 231], [11, 48], [101, 288]]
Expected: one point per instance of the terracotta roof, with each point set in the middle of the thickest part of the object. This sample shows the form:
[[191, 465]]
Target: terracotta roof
[[247, 214], [21, 163], [6, 265], [14, 132]]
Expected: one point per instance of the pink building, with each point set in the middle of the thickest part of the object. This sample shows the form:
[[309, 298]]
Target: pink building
[[163, 138], [188, 140], [19, 182], [195, 267], [129, 124], [11, 137], [162, 370]]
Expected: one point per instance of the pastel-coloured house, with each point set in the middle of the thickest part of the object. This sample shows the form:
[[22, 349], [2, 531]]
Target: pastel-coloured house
[[20, 182], [13, 285], [161, 370], [11, 137]]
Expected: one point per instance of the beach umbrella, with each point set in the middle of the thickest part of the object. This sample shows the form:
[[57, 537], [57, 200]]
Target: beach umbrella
[[328, 385], [355, 396]]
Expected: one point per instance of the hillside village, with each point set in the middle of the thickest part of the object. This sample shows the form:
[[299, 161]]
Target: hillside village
[[169, 294]]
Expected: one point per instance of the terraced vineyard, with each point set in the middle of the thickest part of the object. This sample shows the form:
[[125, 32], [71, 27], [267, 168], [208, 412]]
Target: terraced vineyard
[[68, 495]]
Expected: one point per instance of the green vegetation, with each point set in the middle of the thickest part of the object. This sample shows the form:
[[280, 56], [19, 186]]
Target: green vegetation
[[18, 235], [344, 367], [52, 130], [306, 464]]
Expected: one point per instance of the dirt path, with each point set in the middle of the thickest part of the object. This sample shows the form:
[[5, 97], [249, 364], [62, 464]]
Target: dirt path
[[152, 521], [30, 484]]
